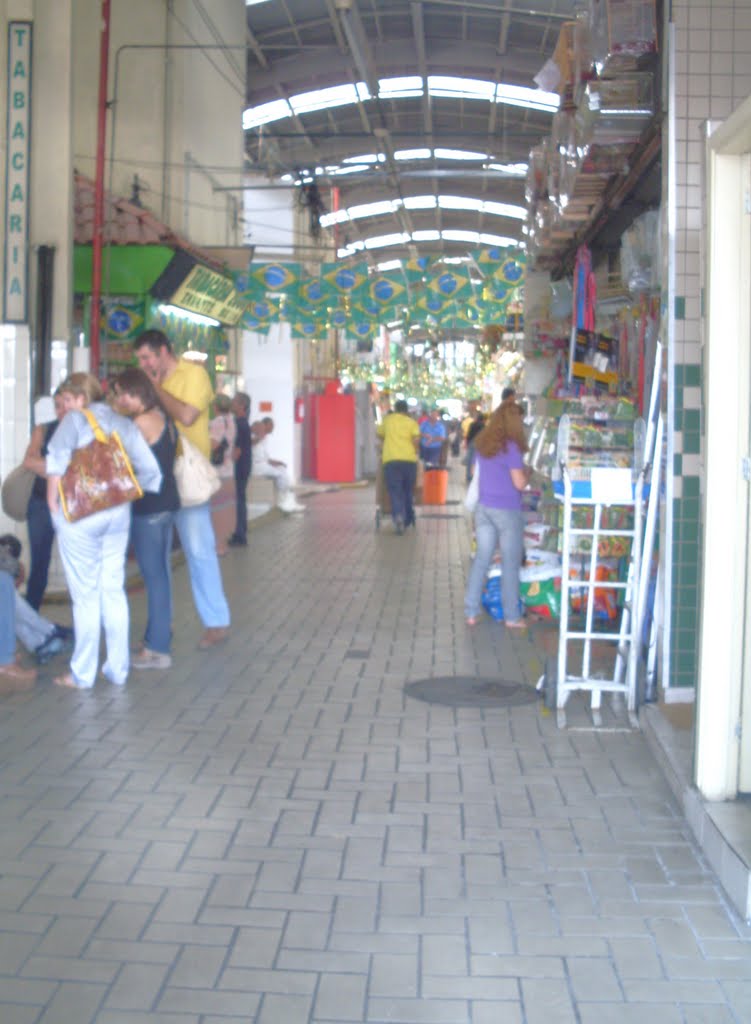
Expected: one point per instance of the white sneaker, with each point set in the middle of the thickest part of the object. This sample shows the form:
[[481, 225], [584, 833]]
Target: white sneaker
[[150, 659], [290, 505]]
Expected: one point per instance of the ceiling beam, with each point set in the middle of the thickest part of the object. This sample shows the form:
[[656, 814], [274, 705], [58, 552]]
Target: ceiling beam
[[357, 42], [322, 66], [255, 46], [418, 28], [505, 26]]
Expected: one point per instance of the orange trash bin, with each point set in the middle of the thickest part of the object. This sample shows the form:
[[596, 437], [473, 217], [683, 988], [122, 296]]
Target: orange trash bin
[[435, 486]]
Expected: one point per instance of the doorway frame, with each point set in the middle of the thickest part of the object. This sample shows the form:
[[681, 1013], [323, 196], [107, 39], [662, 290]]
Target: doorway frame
[[724, 665]]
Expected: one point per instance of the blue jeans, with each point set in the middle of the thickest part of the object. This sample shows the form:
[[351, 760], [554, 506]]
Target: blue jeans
[[199, 544], [496, 527], [41, 536], [32, 629], [7, 619], [400, 482], [152, 543]]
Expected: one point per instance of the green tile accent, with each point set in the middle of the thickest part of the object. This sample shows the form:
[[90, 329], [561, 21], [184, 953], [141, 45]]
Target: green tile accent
[[692, 420], [680, 307], [691, 442], [690, 528], [679, 375], [691, 375], [690, 509], [691, 487], [678, 465], [678, 418]]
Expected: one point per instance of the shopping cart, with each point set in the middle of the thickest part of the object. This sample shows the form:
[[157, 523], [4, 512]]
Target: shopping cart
[[383, 502]]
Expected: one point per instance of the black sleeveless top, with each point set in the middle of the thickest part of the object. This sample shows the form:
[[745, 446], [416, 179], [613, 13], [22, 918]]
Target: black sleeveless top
[[39, 487], [167, 500]]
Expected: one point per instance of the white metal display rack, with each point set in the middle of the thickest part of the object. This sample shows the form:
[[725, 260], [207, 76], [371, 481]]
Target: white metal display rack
[[597, 487]]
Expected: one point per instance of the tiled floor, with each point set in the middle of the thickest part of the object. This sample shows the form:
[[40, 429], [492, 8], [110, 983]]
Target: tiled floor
[[271, 832]]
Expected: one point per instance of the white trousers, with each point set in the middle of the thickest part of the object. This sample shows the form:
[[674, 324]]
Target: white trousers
[[93, 556], [279, 475]]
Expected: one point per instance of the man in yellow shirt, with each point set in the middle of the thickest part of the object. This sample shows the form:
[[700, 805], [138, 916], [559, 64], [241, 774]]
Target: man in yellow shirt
[[185, 391], [401, 443]]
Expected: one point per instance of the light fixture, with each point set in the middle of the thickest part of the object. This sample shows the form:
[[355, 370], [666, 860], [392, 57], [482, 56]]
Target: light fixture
[[186, 314]]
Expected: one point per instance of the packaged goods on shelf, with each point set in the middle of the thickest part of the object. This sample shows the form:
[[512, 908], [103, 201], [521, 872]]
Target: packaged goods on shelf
[[605, 598], [595, 359], [641, 261], [632, 27]]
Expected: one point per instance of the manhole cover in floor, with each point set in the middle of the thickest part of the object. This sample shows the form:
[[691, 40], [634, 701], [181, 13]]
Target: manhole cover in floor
[[470, 692]]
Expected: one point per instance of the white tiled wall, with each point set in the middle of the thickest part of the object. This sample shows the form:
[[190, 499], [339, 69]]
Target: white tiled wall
[[15, 424]]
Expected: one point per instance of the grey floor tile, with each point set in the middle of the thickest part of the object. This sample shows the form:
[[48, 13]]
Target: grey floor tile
[[273, 832]]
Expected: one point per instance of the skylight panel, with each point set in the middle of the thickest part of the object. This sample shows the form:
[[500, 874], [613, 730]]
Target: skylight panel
[[510, 170], [504, 210], [412, 154], [400, 88], [426, 236], [381, 241], [253, 117], [323, 99], [503, 241], [383, 268], [337, 217], [350, 250], [523, 96], [461, 88], [459, 154], [461, 236], [459, 203], [354, 169], [377, 209], [366, 158], [419, 202]]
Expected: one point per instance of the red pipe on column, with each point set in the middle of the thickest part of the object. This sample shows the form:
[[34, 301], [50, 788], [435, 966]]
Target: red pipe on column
[[101, 137]]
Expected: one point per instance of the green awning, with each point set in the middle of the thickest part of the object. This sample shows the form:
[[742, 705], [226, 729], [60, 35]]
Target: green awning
[[126, 269]]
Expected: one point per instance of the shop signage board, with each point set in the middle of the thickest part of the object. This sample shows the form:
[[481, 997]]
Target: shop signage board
[[210, 294], [18, 120]]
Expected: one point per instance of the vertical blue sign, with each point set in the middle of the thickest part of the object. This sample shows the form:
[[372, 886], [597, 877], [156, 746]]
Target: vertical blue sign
[[16, 265]]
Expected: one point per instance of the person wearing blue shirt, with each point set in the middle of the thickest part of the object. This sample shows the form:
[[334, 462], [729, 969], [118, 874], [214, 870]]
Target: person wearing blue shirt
[[432, 436]]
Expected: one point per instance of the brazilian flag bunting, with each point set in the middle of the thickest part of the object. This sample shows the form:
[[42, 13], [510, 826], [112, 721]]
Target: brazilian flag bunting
[[452, 284], [343, 278]]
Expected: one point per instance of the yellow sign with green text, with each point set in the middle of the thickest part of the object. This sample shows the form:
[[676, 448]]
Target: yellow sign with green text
[[210, 294]]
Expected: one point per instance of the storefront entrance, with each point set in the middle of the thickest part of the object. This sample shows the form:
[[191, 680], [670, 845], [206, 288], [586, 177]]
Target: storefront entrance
[[723, 741]]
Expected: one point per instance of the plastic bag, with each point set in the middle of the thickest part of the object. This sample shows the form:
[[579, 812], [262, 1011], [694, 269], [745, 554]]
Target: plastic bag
[[543, 597], [491, 597]]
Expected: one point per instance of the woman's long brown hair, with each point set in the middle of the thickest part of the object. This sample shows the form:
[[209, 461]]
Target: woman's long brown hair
[[506, 424]]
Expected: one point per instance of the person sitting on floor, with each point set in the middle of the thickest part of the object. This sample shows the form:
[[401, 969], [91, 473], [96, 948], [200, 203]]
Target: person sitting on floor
[[40, 637], [264, 465], [13, 676]]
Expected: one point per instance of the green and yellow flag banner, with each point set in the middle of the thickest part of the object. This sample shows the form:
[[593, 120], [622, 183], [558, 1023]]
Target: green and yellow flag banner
[[268, 277], [452, 284], [507, 265], [343, 278], [348, 297]]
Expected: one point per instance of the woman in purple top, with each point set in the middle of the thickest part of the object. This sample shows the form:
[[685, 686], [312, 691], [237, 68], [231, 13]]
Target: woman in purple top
[[499, 459]]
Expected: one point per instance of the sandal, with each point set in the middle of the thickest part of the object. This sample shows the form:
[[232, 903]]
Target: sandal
[[517, 624], [67, 681], [471, 621]]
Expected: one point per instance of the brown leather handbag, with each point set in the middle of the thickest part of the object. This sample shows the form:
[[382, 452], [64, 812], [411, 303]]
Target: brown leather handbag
[[99, 476]]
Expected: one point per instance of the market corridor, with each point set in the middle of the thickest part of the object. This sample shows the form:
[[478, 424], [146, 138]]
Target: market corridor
[[273, 832]]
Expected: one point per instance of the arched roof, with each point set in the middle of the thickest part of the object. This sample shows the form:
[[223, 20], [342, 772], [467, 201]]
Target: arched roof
[[423, 100]]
